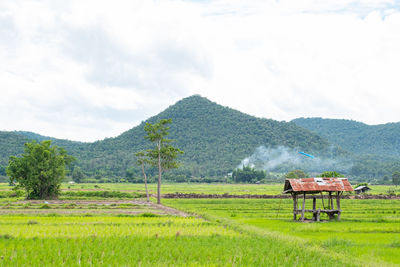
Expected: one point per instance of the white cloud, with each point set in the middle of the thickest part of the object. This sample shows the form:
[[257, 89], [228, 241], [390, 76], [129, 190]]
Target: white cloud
[[86, 70]]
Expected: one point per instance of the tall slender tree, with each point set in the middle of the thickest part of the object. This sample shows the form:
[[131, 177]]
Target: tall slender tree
[[396, 178], [142, 159], [163, 155]]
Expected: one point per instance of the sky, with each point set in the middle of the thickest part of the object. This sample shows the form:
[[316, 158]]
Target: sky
[[85, 70]]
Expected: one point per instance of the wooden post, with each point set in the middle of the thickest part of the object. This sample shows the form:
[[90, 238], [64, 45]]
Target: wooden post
[[314, 207], [338, 205], [318, 215], [304, 206], [294, 206]]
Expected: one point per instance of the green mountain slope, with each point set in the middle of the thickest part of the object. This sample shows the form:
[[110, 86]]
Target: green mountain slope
[[357, 137], [215, 140]]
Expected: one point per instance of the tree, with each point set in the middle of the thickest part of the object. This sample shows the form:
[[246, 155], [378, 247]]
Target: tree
[[141, 160], [2, 170], [40, 169], [163, 155], [331, 174], [295, 174], [396, 178], [78, 175], [247, 174]]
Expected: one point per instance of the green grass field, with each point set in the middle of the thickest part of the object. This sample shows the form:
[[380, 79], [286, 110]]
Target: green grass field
[[234, 189], [121, 229], [368, 227]]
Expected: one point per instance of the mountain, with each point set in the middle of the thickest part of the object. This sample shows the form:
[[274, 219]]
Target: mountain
[[382, 140], [215, 140]]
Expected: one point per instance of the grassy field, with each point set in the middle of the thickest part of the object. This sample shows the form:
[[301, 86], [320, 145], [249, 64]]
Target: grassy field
[[144, 239], [369, 229], [91, 228], [234, 189]]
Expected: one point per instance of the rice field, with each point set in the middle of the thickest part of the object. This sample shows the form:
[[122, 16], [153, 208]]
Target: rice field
[[369, 229], [83, 228], [197, 188]]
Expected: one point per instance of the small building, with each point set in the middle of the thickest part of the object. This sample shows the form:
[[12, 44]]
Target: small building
[[361, 189], [324, 188]]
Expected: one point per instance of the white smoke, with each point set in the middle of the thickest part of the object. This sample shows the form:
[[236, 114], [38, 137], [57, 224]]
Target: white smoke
[[283, 158]]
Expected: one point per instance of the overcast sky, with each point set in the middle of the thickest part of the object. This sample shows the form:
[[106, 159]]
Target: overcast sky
[[86, 70]]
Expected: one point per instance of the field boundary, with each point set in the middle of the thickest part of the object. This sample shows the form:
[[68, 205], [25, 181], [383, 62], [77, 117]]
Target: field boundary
[[194, 195]]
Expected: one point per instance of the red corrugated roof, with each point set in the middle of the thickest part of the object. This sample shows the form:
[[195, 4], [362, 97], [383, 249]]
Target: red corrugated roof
[[317, 184]]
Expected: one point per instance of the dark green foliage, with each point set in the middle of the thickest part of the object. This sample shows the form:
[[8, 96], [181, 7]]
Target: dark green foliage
[[295, 174], [40, 170], [248, 175], [77, 175], [14, 193], [2, 170], [396, 178], [330, 174]]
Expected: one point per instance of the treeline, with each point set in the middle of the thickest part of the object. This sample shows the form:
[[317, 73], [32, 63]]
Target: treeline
[[381, 140]]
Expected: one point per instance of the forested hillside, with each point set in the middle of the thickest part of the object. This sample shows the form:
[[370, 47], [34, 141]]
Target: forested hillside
[[376, 148], [357, 137], [215, 140]]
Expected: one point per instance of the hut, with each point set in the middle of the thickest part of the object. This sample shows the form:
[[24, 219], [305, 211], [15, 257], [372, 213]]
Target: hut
[[361, 189], [330, 187]]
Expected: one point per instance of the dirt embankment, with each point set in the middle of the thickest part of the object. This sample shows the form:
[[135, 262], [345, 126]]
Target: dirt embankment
[[193, 195]]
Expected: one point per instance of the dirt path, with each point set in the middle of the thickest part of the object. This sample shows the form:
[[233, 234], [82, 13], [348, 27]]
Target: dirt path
[[83, 207]]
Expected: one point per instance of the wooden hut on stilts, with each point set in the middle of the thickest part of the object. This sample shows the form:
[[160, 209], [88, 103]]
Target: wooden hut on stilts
[[325, 188]]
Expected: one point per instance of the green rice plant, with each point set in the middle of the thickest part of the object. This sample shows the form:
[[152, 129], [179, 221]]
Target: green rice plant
[[337, 242]]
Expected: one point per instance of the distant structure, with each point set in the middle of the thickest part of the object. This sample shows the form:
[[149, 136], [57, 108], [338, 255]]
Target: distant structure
[[361, 189], [334, 187]]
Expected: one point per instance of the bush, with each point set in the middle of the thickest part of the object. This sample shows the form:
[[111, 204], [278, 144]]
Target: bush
[[45, 206]]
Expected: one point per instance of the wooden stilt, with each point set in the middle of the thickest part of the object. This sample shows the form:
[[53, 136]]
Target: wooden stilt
[[304, 206], [314, 207], [338, 205], [294, 206]]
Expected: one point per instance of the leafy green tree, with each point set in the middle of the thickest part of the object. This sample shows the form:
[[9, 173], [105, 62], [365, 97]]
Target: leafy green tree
[[2, 170], [295, 174], [163, 155], [40, 169], [142, 159], [247, 174], [396, 178], [331, 174], [78, 175]]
